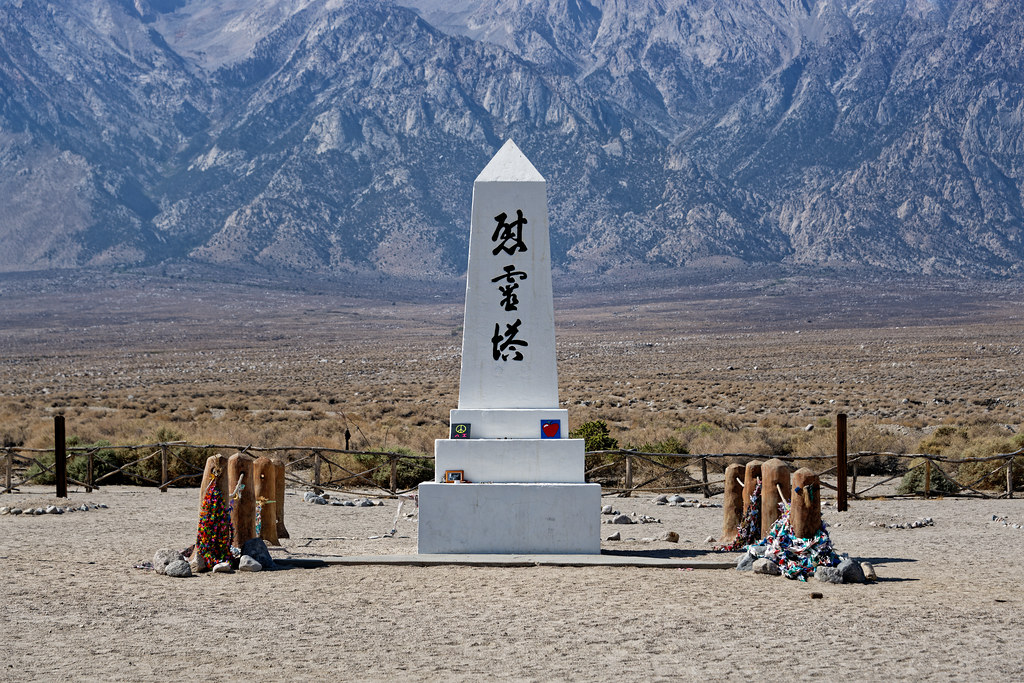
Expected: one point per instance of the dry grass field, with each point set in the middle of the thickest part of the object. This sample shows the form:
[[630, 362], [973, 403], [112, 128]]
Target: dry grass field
[[737, 361]]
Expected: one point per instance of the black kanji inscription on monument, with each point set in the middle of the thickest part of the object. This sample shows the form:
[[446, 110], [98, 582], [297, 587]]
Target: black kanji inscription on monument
[[509, 236], [509, 298], [507, 342]]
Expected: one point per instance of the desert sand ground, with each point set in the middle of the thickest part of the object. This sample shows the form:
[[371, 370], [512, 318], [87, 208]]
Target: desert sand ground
[[947, 606]]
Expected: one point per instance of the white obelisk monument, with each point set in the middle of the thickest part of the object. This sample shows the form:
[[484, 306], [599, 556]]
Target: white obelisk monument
[[509, 480]]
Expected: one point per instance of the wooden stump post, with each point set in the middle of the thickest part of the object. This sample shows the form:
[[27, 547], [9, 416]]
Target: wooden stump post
[[243, 514], [60, 456], [10, 470], [629, 476], [265, 492], [90, 471], [219, 464], [927, 478], [805, 507], [317, 462], [279, 466], [732, 504], [774, 476], [393, 480]]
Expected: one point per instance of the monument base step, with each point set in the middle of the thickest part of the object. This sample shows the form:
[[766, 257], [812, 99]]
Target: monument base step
[[510, 518], [504, 461]]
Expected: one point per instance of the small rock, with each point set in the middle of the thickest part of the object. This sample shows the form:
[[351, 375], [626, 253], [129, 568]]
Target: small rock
[[816, 596], [350, 503], [16, 511], [606, 510], [247, 564], [661, 500], [319, 500], [709, 539], [869, 571], [757, 550], [40, 511], [809, 428], [366, 503], [257, 550], [102, 506], [851, 571], [83, 508], [828, 575], [179, 569], [615, 537], [4, 510], [746, 563], [222, 567], [676, 498], [338, 503], [308, 496], [622, 519], [670, 537], [163, 557], [765, 566], [197, 563], [647, 540]]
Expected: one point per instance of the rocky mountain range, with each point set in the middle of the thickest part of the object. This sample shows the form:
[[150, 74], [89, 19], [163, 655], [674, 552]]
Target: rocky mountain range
[[343, 136]]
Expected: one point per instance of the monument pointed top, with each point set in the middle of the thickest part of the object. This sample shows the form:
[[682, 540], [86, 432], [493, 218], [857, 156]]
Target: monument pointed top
[[509, 165]]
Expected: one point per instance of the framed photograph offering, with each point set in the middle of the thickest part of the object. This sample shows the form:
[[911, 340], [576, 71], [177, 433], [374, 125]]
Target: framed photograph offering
[[451, 476]]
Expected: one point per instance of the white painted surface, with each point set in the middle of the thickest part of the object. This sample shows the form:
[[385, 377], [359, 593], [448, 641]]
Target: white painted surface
[[521, 423], [510, 518], [507, 185], [512, 460]]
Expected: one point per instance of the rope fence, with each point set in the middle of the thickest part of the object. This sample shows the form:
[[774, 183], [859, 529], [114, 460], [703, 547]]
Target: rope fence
[[173, 463]]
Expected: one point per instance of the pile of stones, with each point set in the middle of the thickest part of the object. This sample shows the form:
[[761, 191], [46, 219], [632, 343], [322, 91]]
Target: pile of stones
[[51, 509], [620, 518], [916, 524], [325, 499], [675, 500], [849, 570], [1005, 521], [253, 557]]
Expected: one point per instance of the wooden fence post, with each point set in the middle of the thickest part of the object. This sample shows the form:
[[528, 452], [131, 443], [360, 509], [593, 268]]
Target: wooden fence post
[[164, 468], [629, 476], [10, 469], [704, 477], [279, 466], [1009, 477], [90, 460], [316, 473], [394, 473], [841, 493], [853, 481], [928, 478], [60, 456]]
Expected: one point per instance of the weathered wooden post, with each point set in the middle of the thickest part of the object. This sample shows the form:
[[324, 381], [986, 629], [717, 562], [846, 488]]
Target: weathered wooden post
[[394, 473], [805, 504], [732, 504], [629, 476], [60, 456], [1009, 477], [243, 514], [316, 473], [928, 478], [90, 471], [774, 476], [10, 470], [265, 492], [704, 477], [216, 465], [841, 465], [165, 467], [279, 468], [751, 475]]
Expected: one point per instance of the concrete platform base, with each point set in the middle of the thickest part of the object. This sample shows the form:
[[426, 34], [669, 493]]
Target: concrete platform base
[[498, 560], [510, 518]]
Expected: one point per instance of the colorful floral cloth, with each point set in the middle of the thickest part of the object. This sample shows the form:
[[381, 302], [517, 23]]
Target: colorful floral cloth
[[213, 543]]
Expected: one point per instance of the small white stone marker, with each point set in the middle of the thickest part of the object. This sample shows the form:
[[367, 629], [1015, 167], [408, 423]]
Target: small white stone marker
[[508, 435]]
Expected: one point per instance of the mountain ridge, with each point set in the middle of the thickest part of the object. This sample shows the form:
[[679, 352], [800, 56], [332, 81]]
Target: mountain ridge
[[339, 137]]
